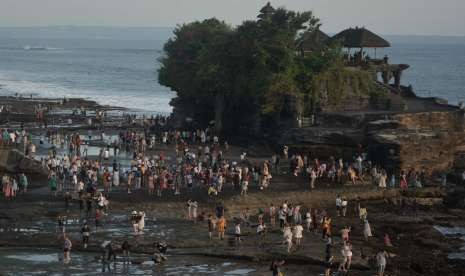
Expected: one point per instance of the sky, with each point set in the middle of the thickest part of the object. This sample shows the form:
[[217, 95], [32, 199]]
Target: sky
[[403, 17]]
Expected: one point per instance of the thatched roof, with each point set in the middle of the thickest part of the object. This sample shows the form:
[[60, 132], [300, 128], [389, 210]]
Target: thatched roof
[[312, 41], [266, 11], [360, 38]]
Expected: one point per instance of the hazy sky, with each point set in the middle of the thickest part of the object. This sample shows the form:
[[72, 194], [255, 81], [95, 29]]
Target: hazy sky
[[383, 16]]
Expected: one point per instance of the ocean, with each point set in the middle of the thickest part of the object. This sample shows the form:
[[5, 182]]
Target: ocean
[[118, 66]]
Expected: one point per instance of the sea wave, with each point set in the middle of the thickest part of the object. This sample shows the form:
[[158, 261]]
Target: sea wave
[[41, 48], [155, 102]]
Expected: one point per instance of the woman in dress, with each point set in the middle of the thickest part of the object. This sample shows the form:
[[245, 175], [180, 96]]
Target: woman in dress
[[151, 184], [7, 187], [347, 255], [116, 178], [367, 230]]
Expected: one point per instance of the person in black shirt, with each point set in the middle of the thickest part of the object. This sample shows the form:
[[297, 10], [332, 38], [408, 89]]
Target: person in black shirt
[[125, 247], [276, 267]]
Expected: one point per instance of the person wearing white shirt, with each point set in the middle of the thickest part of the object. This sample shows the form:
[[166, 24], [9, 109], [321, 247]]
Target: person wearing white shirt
[[237, 232], [298, 230]]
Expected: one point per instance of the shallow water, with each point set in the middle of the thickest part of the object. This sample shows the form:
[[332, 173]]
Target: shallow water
[[49, 262], [454, 232]]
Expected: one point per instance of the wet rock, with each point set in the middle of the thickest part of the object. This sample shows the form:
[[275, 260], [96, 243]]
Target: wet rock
[[14, 161]]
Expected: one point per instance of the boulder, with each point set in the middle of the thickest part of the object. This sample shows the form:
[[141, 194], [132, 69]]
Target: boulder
[[14, 161]]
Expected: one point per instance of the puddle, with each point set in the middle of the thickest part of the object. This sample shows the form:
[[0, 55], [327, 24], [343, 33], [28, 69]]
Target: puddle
[[22, 261], [454, 232], [242, 271], [38, 258]]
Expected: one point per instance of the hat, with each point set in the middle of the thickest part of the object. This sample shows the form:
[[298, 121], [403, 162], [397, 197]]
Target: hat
[[134, 213]]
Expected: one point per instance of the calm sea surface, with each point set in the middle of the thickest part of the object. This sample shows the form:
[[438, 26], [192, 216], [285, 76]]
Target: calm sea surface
[[119, 66]]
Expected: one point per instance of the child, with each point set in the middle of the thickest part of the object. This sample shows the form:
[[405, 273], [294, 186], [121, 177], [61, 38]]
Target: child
[[298, 229], [237, 232], [308, 221], [221, 226]]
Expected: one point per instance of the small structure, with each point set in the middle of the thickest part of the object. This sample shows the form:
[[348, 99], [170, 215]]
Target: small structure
[[266, 12], [360, 38], [313, 41]]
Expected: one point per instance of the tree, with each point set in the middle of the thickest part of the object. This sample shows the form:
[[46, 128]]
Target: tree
[[251, 72], [193, 65]]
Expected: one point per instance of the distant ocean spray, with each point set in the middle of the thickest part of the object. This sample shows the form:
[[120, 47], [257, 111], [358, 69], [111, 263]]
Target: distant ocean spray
[[119, 66]]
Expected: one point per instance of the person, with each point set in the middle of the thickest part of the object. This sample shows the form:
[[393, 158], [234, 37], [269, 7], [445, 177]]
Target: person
[[52, 182], [245, 185], [61, 224], [326, 227], [125, 247], [85, 232], [189, 209], [108, 256], [237, 232], [276, 267], [159, 257], [141, 223], [211, 226], [67, 249], [261, 229], [312, 179], [221, 226], [347, 255], [344, 204], [338, 205], [298, 230], [345, 233], [328, 265], [23, 183], [367, 230], [363, 213], [287, 235], [308, 220], [195, 205], [135, 222], [328, 247], [282, 217], [392, 182], [381, 261], [98, 219], [272, 212], [115, 177], [387, 240]]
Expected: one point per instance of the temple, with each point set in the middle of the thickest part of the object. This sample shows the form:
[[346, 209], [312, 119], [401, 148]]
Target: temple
[[399, 130]]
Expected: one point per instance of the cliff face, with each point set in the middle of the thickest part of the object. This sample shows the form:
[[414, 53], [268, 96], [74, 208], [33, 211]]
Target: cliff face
[[422, 141]]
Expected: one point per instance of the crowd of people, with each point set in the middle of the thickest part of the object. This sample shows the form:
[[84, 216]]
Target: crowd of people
[[201, 163]]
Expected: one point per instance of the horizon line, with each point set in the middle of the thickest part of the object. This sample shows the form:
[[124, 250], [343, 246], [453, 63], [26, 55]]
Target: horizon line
[[172, 27]]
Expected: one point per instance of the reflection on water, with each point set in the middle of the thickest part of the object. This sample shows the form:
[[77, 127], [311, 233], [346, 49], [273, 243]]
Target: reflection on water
[[49, 262]]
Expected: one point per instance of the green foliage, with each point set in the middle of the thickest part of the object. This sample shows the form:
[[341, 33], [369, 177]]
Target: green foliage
[[253, 70]]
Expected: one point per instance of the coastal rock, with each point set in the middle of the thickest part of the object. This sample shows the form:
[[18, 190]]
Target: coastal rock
[[13, 161]]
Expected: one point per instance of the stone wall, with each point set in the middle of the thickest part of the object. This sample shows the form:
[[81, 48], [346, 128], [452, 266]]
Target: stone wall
[[421, 141], [432, 120]]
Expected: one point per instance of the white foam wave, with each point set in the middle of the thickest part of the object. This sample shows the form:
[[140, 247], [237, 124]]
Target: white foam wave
[[156, 102], [40, 48]]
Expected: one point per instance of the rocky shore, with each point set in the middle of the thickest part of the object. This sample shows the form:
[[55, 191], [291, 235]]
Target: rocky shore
[[419, 248]]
